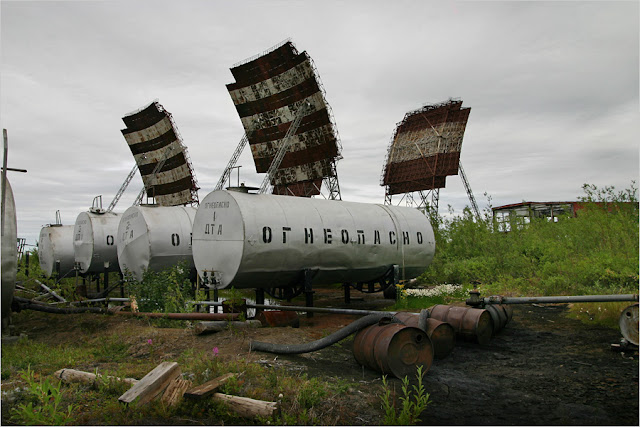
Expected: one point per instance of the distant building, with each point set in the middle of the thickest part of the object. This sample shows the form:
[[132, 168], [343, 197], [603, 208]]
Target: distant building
[[522, 212]]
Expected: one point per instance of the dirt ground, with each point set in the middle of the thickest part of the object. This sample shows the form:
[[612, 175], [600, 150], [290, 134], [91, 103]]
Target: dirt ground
[[542, 369]]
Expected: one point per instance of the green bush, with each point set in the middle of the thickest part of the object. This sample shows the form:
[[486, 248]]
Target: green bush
[[594, 252], [164, 291]]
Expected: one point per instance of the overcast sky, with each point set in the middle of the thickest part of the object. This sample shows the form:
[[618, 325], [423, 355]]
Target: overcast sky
[[552, 86]]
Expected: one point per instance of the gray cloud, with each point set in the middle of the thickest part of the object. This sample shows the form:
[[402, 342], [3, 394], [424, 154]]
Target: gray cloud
[[553, 88]]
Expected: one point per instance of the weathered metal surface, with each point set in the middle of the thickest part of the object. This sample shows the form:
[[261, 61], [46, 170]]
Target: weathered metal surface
[[154, 238], [258, 240], [268, 92], [442, 334], [56, 244], [393, 349], [9, 252], [94, 242], [425, 148], [276, 318], [153, 137], [629, 323], [559, 299], [470, 324]]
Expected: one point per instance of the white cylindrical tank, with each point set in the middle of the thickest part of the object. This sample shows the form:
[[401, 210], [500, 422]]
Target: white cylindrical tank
[[154, 238], [9, 254], [257, 240], [94, 241], [56, 244]]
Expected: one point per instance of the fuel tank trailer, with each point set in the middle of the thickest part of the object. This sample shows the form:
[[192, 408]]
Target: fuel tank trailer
[[55, 244], [246, 240], [94, 242], [154, 238]]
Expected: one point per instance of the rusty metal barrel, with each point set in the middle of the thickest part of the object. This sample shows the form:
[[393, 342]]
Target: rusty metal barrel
[[394, 349], [470, 324], [442, 334], [501, 314]]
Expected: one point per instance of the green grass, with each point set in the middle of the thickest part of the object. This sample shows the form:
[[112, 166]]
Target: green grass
[[303, 399], [594, 253]]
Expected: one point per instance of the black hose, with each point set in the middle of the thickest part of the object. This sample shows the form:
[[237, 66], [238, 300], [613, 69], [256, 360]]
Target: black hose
[[323, 342], [27, 304]]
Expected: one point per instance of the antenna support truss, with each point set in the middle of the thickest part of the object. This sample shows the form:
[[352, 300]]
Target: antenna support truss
[[467, 187], [122, 189], [282, 150], [232, 162]]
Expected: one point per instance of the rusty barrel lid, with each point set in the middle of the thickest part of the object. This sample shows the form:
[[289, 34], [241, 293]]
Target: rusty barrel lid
[[443, 337], [394, 349], [442, 334], [629, 323], [471, 324]]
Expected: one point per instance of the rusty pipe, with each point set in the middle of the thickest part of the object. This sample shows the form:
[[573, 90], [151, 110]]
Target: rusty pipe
[[183, 316]]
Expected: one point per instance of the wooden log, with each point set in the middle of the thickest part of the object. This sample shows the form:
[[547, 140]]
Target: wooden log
[[246, 407], [74, 376], [209, 387], [152, 384], [175, 391], [218, 326]]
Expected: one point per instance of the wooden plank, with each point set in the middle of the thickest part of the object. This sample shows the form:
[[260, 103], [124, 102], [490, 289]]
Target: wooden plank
[[246, 407], [174, 392], [208, 387], [152, 384]]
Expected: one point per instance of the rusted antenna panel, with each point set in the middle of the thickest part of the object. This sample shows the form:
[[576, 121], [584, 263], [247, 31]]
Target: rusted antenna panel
[[153, 137], [425, 148], [269, 89]]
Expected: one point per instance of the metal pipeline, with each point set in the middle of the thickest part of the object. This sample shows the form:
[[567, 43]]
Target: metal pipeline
[[304, 309], [499, 299], [359, 324], [28, 304], [184, 316], [38, 306]]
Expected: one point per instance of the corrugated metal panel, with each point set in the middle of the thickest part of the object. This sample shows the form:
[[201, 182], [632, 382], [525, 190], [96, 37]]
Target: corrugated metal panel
[[425, 148], [282, 82], [268, 93], [152, 138]]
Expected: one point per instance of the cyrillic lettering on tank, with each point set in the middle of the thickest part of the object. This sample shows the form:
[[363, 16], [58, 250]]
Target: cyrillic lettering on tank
[[327, 236], [419, 238], [345, 236], [405, 237], [392, 237], [376, 237], [308, 235], [266, 234], [220, 230], [284, 233], [360, 237]]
